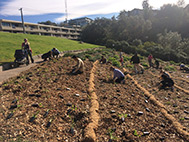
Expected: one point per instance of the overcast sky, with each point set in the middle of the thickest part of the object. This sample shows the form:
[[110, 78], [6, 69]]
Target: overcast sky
[[75, 8]]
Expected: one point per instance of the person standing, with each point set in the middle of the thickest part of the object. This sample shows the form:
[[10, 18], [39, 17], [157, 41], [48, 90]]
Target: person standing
[[119, 77], [27, 50], [79, 68], [150, 57], [136, 61]]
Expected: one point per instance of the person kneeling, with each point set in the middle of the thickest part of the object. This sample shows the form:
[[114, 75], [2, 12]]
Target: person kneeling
[[166, 82], [79, 68], [119, 77]]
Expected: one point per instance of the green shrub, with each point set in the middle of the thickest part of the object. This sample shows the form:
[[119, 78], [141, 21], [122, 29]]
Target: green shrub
[[170, 68]]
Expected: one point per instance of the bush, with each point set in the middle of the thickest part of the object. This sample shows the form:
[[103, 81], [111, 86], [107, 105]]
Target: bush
[[170, 68]]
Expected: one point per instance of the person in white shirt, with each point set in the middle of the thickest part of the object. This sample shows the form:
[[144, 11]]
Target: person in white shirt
[[79, 68]]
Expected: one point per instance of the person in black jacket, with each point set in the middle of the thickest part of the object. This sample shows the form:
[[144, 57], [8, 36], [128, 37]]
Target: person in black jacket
[[166, 82], [136, 61]]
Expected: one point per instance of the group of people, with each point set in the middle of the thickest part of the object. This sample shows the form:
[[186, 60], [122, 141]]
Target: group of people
[[118, 75], [150, 61], [28, 52], [52, 53]]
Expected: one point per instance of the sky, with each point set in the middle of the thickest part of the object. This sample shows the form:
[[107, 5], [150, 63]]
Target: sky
[[54, 10]]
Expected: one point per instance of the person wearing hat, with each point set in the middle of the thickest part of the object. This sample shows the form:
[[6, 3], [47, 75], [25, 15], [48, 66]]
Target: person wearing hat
[[27, 50]]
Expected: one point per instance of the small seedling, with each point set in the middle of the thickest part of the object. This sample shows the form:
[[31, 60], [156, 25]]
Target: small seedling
[[110, 133], [34, 117]]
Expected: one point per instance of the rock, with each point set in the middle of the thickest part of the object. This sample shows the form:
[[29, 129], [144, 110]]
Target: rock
[[146, 101], [146, 133], [118, 90], [77, 95], [31, 95], [185, 106], [119, 94], [69, 110], [115, 97], [38, 95], [186, 118], [123, 133], [128, 101], [121, 105], [82, 100], [113, 129], [129, 115], [187, 112], [122, 119], [35, 105], [166, 98], [114, 116], [58, 89], [163, 125], [147, 109], [133, 95], [14, 101], [140, 113], [69, 104], [112, 111], [28, 79], [174, 105], [61, 96], [162, 138], [104, 97], [68, 89], [175, 112]]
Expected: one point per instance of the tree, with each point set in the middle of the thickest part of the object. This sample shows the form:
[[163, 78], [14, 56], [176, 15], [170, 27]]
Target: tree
[[181, 3]]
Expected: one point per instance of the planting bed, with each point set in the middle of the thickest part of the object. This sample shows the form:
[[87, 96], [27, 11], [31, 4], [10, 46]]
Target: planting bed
[[47, 103], [46, 87], [126, 114], [176, 102]]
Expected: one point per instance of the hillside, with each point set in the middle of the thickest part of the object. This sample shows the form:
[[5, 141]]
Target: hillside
[[9, 42], [90, 107]]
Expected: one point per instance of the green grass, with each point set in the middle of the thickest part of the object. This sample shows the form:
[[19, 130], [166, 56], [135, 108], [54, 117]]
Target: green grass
[[9, 42]]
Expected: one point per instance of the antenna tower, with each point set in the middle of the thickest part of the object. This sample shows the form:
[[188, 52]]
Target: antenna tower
[[66, 11]]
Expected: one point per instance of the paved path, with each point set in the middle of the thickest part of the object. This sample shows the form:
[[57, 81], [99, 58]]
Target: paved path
[[4, 75]]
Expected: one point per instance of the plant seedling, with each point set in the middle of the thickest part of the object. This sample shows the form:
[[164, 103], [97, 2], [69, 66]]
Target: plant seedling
[[34, 117]]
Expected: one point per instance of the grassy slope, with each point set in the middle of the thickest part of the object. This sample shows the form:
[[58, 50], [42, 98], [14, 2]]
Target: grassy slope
[[9, 42]]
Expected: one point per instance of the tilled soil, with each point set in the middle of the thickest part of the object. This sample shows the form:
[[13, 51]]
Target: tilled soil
[[126, 114], [46, 87], [176, 102]]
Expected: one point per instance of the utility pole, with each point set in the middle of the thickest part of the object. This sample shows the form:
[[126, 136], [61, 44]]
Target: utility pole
[[22, 21], [66, 11]]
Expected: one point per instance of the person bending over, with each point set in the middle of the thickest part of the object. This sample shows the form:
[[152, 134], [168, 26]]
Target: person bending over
[[55, 52], [119, 77], [79, 68]]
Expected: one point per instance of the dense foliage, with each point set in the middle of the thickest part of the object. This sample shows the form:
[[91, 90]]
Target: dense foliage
[[163, 33]]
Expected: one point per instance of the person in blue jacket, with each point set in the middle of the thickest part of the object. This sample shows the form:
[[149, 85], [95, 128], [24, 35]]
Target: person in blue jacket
[[119, 77]]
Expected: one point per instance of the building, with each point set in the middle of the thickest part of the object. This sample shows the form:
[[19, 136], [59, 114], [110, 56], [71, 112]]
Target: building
[[80, 21], [40, 29]]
